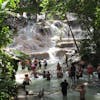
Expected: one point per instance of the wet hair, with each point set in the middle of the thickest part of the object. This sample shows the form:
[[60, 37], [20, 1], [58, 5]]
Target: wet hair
[[44, 71], [48, 72], [26, 75], [65, 80]]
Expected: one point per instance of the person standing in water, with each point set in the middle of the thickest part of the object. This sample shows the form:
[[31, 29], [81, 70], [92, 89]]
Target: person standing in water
[[26, 81], [48, 76], [58, 67], [41, 93], [44, 74], [39, 64], [81, 89], [45, 63], [98, 71], [64, 86]]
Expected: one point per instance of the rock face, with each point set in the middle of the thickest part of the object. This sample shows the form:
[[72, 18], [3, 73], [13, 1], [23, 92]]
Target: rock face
[[61, 53], [40, 56], [44, 35], [65, 44]]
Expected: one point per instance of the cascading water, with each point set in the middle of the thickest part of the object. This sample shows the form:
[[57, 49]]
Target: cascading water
[[43, 37], [37, 37]]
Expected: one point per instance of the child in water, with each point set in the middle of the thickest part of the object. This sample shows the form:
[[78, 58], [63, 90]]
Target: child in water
[[26, 80]]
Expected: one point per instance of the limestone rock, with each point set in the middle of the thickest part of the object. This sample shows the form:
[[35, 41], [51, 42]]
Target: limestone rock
[[65, 44], [61, 53], [40, 55]]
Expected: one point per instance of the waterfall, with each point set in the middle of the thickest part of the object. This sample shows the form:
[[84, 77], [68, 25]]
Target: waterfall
[[44, 35]]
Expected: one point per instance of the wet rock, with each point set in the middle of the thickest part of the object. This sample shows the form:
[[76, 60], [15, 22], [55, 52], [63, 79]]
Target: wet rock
[[65, 44], [61, 53], [58, 24], [47, 30], [37, 37], [43, 28], [41, 55]]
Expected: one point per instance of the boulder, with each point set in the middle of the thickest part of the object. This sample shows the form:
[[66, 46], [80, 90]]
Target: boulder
[[40, 55]]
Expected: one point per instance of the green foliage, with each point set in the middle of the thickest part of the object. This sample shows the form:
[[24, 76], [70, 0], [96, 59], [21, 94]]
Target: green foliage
[[20, 55], [6, 64], [29, 6], [29, 9], [47, 5], [4, 96], [88, 12], [5, 36], [8, 4], [7, 83], [7, 89], [54, 7], [85, 7], [97, 22], [85, 51]]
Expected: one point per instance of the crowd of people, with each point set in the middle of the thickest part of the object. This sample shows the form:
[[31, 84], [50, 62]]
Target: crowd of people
[[75, 71]]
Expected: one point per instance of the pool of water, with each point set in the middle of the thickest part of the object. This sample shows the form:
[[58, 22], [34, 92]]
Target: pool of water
[[52, 90]]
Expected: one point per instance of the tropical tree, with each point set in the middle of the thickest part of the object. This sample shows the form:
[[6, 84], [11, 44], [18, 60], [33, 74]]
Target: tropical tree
[[7, 83], [88, 12]]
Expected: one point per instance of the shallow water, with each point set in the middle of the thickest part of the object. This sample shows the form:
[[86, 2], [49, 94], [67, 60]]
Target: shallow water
[[52, 88]]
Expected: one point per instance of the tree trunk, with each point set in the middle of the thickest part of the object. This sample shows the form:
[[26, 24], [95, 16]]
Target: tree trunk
[[72, 35]]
